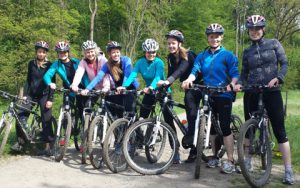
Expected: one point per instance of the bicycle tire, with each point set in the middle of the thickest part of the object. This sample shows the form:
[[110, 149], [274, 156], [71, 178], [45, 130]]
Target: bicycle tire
[[264, 158], [112, 152], [146, 167], [4, 135], [200, 146], [235, 125], [59, 148], [94, 147], [85, 138]]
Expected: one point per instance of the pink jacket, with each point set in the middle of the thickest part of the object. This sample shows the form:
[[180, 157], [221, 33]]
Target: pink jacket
[[83, 67]]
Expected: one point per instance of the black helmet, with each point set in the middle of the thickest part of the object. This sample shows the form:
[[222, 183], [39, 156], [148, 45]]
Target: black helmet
[[42, 44], [175, 34], [214, 28], [62, 46], [113, 45], [255, 21]]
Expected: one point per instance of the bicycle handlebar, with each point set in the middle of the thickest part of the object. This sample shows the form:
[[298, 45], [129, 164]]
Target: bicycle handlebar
[[255, 88], [216, 89], [9, 96]]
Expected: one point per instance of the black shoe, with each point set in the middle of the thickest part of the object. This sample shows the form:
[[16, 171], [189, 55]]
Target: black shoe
[[192, 157], [187, 142]]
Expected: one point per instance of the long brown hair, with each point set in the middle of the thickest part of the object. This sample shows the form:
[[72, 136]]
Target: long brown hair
[[114, 68]]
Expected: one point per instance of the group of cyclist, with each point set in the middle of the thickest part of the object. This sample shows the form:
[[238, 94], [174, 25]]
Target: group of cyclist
[[264, 62]]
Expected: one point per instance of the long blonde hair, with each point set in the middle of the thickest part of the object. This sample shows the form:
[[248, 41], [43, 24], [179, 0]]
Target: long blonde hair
[[183, 53], [114, 68]]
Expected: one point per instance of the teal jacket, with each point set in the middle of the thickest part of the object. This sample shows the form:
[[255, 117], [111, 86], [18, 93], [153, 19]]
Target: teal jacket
[[59, 68], [151, 72]]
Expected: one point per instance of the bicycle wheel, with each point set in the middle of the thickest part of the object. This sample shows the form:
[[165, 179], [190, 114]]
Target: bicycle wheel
[[77, 131], [153, 137], [5, 130], [95, 145], [235, 125], [85, 138], [255, 159], [112, 147], [62, 136], [200, 145]]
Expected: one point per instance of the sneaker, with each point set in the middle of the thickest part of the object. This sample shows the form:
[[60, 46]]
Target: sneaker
[[177, 159], [288, 177], [17, 147], [213, 163], [228, 167]]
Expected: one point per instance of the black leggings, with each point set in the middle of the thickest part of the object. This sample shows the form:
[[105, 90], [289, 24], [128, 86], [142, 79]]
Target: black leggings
[[149, 100], [221, 108], [46, 115], [274, 106], [192, 101]]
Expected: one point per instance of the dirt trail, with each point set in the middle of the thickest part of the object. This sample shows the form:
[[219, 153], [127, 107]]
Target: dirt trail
[[43, 172]]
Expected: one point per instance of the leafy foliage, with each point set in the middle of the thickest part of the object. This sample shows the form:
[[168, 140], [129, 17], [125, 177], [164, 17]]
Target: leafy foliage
[[131, 22]]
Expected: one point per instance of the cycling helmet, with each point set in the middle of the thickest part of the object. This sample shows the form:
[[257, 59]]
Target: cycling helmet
[[175, 34], [113, 45], [214, 28], [89, 45], [255, 21], [150, 45], [42, 44], [62, 46]]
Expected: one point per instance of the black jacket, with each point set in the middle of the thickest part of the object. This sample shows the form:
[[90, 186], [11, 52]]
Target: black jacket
[[261, 62], [35, 86]]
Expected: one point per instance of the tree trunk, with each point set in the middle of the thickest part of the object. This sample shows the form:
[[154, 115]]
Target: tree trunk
[[93, 14]]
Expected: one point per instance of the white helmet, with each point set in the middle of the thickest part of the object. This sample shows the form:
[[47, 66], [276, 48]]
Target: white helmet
[[150, 45], [89, 45]]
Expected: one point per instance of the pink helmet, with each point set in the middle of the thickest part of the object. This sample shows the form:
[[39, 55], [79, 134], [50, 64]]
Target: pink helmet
[[255, 21], [62, 46]]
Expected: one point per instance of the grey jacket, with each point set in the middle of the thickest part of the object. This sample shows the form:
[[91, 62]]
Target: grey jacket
[[261, 62]]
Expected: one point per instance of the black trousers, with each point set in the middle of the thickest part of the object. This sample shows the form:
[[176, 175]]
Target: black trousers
[[274, 106]]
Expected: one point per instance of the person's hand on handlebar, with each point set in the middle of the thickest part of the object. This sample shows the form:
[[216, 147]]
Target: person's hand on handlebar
[[237, 87], [52, 86], [273, 83], [120, 89], [162, 82], [74, 88], [148, 90], [84, 92]]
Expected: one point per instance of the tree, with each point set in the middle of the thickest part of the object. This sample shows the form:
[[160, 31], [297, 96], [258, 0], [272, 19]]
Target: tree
[[93, 14]]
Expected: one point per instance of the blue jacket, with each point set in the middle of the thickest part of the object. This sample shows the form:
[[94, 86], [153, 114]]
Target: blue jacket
[[126, 67], [59, 68], [151, 72], [218, 68]]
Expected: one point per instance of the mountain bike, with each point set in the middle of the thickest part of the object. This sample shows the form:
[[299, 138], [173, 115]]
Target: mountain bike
[[67, 121], [32, 134], [112, 147], [205, 121], [102, 118], [254, 144]]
